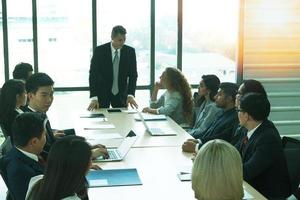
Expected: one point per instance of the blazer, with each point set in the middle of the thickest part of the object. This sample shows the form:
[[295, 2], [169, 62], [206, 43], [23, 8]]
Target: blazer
[[170, 104], [17, 169], [208, 111], [222, 128], [264, 163], [101, 72], [50, 138]]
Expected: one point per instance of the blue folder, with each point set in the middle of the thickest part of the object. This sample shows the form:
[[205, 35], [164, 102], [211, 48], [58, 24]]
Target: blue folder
[[113, 177]]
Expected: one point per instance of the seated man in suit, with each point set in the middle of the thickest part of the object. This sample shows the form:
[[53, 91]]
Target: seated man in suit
[[40, 94], [22, 162], [224, 125], [247, 86], [264, 163]]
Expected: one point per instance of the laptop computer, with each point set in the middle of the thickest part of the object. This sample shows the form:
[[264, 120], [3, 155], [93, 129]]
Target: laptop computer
[[118, 154], [154, 131]]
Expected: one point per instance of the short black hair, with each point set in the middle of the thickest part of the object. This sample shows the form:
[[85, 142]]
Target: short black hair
[[21, 71], [252, 85], [118, 30], [38, 80], [229, 89], [27, 126], [256, 105]]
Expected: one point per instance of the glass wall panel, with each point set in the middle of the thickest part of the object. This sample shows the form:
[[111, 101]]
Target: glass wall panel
[[165, 35], [134, 15], [2, 78], [210, 38], [20, 37], [65, 40]]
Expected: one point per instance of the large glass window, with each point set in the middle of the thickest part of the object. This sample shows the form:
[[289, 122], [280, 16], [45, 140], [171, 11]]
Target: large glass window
[[1, 50], [165, 35], [210, 37], [65, 40], [134, 15], [20, 37]]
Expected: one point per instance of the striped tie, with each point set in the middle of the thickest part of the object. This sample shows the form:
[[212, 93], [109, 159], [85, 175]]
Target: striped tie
[[115, 86]]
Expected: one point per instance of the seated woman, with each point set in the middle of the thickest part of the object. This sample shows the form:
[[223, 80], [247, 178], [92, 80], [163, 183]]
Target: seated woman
[[176, 102], [217, 172], [208, 111], [68, 162], [13, 96]]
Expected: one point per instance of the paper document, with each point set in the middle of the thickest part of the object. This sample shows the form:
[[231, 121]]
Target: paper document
[[99, 126], [93, 120], [150, 117], [130, 111], [103, 136]]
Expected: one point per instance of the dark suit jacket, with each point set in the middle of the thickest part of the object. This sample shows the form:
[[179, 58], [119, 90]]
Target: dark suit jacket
[[101, 72], [17, 169], [264, 163], [239, 134], [222, 128], [50, 138]]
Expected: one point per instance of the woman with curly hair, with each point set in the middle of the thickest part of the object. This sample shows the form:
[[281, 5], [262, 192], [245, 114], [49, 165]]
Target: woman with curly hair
[[176, 102]]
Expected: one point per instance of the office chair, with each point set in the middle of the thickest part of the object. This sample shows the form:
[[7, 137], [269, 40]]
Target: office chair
[[4, 131], [5, 147], [292, 151], [290, 143]]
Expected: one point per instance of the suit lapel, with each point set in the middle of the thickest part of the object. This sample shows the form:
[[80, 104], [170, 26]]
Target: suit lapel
[[32, 163], [121, 65], [253, 138]]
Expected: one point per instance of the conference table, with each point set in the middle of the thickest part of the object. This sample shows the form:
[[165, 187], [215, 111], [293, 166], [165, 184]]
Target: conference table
[[158, 159]]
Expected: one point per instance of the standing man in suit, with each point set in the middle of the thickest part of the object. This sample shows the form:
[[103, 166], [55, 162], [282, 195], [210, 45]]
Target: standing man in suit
[[264, 163], [22, 162], [113, 73]]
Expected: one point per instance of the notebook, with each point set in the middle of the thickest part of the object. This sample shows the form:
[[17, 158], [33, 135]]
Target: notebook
[[113, 177], [154, 131], [118, 154]]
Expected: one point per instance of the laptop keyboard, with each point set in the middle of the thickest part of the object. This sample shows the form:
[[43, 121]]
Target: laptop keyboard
[[112, 155]]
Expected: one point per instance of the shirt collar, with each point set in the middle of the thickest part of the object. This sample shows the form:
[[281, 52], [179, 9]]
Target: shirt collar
[[250, 133], [29, 155], [113, 49], [31, 109], [19, 110]]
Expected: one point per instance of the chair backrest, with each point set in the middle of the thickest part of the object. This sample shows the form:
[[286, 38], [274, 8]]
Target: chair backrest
[[4, 131], [290, 143], [5, 147], [4, 177], [292, 155]]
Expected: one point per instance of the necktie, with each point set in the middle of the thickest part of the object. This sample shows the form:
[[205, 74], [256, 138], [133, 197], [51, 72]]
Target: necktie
[[244, 144], [116, 61], [41, 161]]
